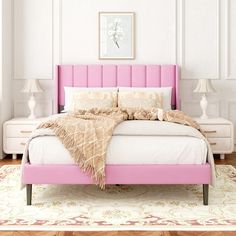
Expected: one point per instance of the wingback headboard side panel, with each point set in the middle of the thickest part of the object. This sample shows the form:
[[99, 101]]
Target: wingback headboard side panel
[[168, 79], [65, 78], [116, 76]]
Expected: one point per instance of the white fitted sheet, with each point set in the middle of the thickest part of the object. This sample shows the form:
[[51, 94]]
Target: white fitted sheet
[[127, 149]]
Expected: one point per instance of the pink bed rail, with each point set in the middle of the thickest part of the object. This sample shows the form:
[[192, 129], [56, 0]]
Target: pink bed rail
[[119, 174], [116, 76]]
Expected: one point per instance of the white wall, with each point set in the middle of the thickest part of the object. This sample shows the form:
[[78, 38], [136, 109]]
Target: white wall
[[1, 80], [199, 35], [5, 64]]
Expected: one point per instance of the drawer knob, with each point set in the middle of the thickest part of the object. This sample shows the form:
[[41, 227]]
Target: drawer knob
[[23, 144], [212, 144], [26, 131], [210, 131]]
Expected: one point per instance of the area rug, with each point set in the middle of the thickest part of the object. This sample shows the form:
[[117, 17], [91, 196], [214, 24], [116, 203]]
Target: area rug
[[125, 207]]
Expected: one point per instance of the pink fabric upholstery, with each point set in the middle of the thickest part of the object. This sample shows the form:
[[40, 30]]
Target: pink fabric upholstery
[[119, 174], [116, 76], [113, 76]]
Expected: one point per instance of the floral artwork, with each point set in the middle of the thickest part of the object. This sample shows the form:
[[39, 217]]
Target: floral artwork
[[116, 31], [116, 35]]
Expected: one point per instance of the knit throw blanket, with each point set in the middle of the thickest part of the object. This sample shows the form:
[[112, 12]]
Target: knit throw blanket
[[86, 133]]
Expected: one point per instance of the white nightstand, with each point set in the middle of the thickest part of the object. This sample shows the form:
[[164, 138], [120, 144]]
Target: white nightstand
[[220, 134], [16, 133]]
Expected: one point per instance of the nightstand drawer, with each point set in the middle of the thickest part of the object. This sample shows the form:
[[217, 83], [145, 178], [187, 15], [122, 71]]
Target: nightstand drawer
[[220, 145], [15, 145], [15, 131], [220, 131]]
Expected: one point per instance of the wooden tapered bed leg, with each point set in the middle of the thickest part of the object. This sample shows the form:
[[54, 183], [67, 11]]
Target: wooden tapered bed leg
[[205, 193], [29, 193]]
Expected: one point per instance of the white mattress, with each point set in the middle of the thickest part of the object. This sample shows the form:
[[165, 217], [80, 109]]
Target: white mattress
[[134, 142]]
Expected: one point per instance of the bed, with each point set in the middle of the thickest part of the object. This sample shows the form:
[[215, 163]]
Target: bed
[[183, 163]]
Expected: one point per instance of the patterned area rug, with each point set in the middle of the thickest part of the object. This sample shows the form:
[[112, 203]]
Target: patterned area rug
[[126, 207]]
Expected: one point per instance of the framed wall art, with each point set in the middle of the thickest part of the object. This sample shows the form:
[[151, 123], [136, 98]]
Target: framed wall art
[[116, 35]]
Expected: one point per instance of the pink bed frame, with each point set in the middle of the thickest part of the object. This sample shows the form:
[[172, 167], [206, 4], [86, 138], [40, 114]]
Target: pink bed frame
[[117, 76]]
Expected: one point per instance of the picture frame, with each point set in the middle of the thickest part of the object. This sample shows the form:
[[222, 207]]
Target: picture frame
[[116, 35]]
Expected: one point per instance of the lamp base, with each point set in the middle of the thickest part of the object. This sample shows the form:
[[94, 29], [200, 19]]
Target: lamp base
[[31, 117], [31, 104], [204, 117], [203, 105]]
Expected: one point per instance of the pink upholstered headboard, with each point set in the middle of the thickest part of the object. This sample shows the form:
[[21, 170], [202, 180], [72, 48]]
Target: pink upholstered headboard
[[116, 76]]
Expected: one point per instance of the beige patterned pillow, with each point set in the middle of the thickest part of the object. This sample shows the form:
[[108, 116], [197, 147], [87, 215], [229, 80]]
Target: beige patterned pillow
[[140, 99], [88, 100]]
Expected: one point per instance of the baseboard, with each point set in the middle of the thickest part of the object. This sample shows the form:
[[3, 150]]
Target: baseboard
[[2, 155]]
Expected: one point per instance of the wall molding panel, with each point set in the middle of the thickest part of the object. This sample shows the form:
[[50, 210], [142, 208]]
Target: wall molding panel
[[187, 72], [57, 32], [33, 54], [231, 108], [228, 29]]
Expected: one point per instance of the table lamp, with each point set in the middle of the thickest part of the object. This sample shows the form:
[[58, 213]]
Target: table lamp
[[32, 86], [204, 86]]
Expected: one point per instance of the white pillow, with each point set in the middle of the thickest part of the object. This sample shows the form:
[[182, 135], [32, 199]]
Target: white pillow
[[70, 91], [165, 91]]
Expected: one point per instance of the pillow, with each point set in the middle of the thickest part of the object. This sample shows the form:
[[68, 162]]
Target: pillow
[[165, 91], [87, 100], [70, 91], [134, 99]]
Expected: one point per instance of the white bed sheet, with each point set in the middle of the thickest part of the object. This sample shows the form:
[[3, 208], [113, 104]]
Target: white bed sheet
[[126, 149]]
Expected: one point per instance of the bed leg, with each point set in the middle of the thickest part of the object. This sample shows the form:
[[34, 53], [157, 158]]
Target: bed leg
[[29, 193], [205, 194]]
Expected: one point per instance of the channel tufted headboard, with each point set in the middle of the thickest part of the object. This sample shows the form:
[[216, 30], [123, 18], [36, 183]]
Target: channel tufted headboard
[[116, 76]]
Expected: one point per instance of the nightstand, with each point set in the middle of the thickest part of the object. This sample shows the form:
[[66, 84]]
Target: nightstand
[[16, 133], [220, 134]]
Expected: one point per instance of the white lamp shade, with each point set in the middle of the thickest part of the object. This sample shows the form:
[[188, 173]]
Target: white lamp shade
[[32, 86], [204, 86]]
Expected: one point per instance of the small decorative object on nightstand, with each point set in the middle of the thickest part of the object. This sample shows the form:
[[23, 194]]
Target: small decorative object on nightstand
[[32, 86], [220, 134], [204, 86], [16, 133]]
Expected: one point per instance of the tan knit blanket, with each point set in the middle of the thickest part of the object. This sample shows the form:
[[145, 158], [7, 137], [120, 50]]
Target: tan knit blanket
[[86, 134]]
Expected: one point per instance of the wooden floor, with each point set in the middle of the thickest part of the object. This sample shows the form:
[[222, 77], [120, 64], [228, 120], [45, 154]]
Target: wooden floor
[[118, 233], [230, 160]]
